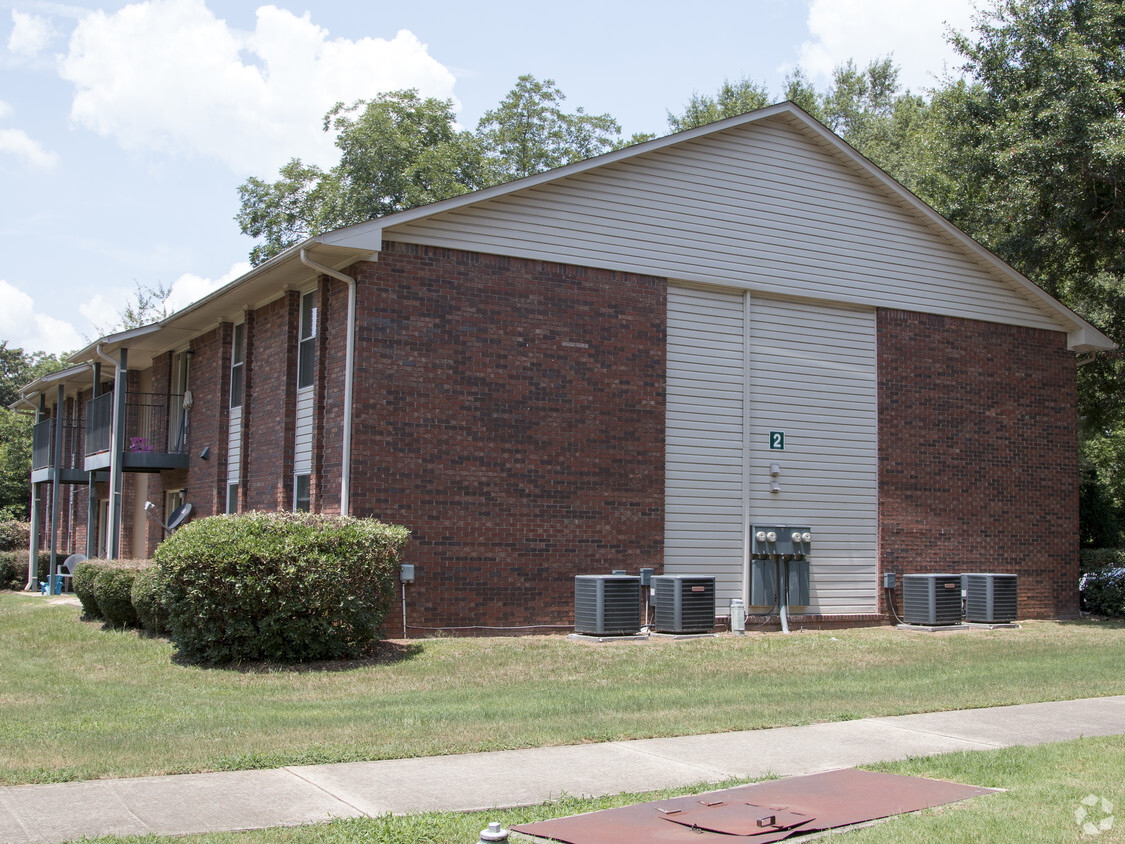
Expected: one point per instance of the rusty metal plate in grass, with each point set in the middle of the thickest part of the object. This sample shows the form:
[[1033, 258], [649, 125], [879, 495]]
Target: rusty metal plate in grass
[[819, 802]]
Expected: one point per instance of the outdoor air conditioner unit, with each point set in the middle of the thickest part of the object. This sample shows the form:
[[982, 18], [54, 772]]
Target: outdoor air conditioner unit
[[931, 599], [607, 604], [684, 603], [990, 598]]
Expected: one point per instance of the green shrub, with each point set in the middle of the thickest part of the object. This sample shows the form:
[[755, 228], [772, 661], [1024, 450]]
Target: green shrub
[[289, 587], [15, 536], [148, 601], [1095, 559], [1103, 592], [13, 568], [113, 589], [85, 574]]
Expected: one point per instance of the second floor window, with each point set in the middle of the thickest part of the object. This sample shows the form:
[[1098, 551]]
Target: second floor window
[[236, 365], [306, 346]]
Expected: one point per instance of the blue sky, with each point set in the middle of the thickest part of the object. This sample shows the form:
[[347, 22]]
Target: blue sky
[[126, 128]]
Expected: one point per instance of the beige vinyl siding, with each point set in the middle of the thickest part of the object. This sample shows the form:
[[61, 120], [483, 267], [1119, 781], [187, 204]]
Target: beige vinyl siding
[[302, 450], [234, 446], [759, 207], [812, 375], [704, 521]]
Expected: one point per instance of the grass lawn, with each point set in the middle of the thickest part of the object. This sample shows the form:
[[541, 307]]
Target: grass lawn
[[1044, 786], [80, 702]]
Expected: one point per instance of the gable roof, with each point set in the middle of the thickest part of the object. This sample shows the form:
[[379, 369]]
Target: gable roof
[[770, 201]]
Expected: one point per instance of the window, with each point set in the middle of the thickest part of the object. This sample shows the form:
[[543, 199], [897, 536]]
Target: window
[[301, 494], [232, 498], [236, 366], [306, 347]]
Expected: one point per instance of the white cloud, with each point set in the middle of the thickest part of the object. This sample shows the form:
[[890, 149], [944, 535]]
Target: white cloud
[[30, 34], [16, 142], [914, 33], [103, 311], [23, 327], [189, 288], [190, 84]]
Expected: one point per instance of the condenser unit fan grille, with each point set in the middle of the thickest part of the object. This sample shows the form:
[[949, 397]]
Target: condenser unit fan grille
[[684, 604], [991, 598], [931, 598], [607, 604]]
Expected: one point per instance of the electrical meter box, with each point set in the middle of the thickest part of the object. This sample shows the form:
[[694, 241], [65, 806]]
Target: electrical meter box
[[798, 573], [780, 541], [763, 583]]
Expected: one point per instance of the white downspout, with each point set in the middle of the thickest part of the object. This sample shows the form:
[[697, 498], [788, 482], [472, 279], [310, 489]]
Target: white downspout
[[349, 365]]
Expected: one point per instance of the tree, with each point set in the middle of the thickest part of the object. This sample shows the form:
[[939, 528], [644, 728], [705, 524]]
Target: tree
[[731, 100], [18, 368], [400, 151], [529, 132], [396, 151], [1035, 170]]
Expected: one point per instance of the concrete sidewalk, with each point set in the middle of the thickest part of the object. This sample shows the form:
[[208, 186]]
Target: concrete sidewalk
[[311, 793]]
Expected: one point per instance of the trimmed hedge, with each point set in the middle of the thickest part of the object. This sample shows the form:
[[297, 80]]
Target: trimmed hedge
[[113, 589], [13, 568], [15, 536], [148, 601], [105, 589], [85, 574], [287, 587]]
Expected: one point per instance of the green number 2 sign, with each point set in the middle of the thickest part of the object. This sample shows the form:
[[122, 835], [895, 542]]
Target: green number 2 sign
[[777, 440]]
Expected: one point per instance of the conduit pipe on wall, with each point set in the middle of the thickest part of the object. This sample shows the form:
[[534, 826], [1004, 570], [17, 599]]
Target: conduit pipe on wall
[[349, 365]]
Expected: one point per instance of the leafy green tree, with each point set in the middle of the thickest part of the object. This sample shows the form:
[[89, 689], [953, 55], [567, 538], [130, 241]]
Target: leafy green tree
[[396, 151], [529, 132], [18, 368], [1034, 165], [731, 100], [400, 151]]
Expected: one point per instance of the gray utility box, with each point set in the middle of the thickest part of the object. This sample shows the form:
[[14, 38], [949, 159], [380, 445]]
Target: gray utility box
[[763, 582], [684, 603], [780, 540], [607, 604], [990, 598], [931, 599]]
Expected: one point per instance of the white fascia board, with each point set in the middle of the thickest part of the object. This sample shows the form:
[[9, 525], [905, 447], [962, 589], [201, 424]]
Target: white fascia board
[[113, 342]]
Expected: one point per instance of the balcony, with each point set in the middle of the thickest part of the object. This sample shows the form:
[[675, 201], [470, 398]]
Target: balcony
[[71, 470], [155, 432]]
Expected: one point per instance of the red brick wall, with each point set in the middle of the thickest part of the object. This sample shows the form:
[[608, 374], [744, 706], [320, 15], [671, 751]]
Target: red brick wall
[[511, 414], [269, 405], [978, 455]]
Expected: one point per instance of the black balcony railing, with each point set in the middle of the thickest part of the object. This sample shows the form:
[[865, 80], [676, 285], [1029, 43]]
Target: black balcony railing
[[99, 423], [42, 437], [43, 445], [146, 424]]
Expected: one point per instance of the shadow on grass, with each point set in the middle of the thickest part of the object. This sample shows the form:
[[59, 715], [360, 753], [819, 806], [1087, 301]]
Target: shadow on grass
[[1091, 621], [383, 653]]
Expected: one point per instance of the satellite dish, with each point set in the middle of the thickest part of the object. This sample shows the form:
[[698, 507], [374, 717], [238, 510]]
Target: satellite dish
[[179, 516]]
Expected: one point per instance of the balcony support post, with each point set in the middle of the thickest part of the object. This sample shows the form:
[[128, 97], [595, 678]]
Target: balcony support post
[[116, 455], [56, 464], [92, 488], [33, 545]]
